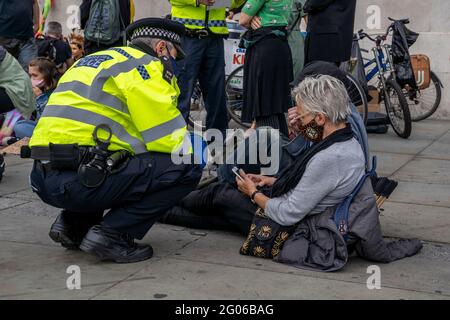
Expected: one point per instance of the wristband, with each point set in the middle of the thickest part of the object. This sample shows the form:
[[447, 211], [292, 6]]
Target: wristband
[[252, 197]]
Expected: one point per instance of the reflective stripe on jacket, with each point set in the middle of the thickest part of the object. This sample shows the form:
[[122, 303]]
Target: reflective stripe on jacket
[[123, 88], [201, 17]]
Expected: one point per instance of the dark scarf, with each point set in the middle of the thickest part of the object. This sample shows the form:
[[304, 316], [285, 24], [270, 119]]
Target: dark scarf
[[291, 176]]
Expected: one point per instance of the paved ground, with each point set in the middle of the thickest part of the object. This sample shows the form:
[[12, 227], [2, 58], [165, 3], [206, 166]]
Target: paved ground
[[197, 264]]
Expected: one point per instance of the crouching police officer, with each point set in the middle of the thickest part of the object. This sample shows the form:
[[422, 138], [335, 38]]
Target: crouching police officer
[[105, 141]]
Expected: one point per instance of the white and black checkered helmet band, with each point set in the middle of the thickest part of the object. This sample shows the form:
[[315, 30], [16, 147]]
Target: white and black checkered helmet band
[[151, 32]]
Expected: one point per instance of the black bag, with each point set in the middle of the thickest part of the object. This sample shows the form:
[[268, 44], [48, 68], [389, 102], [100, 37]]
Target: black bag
[[377, 123], [266, 237], [46, 48], [402, 39]]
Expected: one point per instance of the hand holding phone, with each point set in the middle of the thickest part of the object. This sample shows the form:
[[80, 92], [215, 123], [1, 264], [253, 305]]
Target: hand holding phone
[[236, 172]]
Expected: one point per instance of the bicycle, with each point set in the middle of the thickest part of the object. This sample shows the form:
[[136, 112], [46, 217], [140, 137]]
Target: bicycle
[[422, 102], [394, 100], [234, 90]]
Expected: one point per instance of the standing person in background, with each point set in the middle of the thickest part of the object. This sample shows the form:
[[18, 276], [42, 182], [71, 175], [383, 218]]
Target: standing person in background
[[205, 61], [330, 30], [295, 38], [125, 15], [19, 21], [55, 47], [268, 63]]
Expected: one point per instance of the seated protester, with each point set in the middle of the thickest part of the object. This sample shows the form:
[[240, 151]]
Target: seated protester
[[324, 181], [306, 191], [43, 74], [54, 47], [77, 46], [15, 87]]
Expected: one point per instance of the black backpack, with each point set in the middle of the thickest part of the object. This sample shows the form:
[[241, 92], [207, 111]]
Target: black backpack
[[46, 48]]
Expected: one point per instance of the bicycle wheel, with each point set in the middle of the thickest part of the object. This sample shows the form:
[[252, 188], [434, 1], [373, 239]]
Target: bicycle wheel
[[358, 97], [234, 88], [197, 113], [423, 103], [397, 109]]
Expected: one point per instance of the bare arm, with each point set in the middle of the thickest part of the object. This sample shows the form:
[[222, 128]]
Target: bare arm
[[36, 16], [245, 20]]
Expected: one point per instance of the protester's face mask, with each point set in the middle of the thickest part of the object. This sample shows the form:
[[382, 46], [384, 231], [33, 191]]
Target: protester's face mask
[[36, 77], [38, 83], [312, 131]]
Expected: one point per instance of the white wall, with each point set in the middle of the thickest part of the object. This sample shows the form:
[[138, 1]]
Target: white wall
[[431, 18]]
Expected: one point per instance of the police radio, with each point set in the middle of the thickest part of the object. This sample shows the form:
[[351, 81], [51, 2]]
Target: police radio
[[93, 173]]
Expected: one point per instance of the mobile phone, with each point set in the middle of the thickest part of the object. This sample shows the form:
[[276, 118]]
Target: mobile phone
[[236, 172]]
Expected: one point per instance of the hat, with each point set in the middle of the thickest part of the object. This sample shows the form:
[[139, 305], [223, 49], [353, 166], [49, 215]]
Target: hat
[[160, 28]]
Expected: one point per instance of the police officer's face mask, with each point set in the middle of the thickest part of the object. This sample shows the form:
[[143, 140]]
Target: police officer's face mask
[[175, 67]]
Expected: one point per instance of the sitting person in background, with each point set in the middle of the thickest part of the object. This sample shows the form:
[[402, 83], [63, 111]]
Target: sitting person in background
[[77, 46], [54, 47], [43, 74], [16, 95]]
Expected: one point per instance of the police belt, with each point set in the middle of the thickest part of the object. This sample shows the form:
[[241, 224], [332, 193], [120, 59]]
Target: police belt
[[45, 154], [203, 33]]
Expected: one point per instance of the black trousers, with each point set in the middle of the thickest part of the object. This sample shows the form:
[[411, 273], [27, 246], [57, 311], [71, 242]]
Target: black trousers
[[5, 101], [217, 206], [137, 196]]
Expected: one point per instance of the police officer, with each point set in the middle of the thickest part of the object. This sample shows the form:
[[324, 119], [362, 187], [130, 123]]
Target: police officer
[[105, 141], [205, 62]]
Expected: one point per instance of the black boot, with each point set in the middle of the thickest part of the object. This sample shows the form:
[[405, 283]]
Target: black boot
[[69, 230], [109, 244]]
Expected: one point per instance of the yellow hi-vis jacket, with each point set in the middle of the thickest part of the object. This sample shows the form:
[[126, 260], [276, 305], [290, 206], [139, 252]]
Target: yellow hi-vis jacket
[[123, 88], [201, 17]]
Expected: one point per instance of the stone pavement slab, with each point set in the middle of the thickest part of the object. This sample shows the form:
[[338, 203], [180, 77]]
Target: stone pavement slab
[[408, 221], [174, 279], [204, 264], [425, 170], [388, 163]]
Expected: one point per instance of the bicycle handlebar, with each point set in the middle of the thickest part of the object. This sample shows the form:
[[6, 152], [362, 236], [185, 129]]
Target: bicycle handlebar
[[380, 38]]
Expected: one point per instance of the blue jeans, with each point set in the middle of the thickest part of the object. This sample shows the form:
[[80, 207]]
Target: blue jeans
[[23, 50], [24, 128], [204, 62]]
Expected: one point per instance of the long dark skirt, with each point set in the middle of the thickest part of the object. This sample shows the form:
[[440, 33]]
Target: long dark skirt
[[267, 74]]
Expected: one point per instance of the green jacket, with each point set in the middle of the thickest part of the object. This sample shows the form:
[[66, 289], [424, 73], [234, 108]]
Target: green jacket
[[17, 84]]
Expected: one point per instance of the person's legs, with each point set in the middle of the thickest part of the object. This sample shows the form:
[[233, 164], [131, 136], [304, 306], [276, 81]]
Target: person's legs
[[189, 69], [24, 128], [28, 52], [70, 227], [218, 206], [11, 45], [212, 83], [135, 219]]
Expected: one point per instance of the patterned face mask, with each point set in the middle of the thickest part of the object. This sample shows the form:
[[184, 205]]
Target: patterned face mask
[[312, 131]]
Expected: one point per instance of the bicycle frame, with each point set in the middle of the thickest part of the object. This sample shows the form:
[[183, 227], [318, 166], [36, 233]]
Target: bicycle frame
[[381, 66]]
